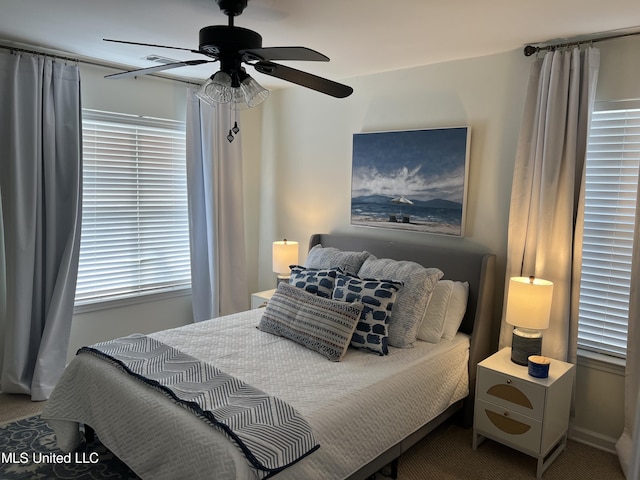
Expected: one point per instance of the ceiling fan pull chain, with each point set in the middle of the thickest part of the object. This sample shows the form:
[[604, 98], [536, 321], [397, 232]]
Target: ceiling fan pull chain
[[235, 130]]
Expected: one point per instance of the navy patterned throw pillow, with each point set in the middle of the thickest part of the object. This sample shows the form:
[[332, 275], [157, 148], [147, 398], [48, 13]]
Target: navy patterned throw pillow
[[377, 298], [318, 282]]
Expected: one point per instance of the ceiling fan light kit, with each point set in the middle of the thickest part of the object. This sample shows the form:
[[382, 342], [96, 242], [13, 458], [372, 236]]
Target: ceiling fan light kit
[[232, 46], [217, 89], [239, 91], [253, 92]]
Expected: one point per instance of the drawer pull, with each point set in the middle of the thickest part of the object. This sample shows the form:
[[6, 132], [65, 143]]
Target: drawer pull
[[508, 380], [510, 394], [506, 414]]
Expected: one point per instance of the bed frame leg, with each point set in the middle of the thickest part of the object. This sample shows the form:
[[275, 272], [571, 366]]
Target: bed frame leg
[[394, 468], [391, 468], [89, 434]]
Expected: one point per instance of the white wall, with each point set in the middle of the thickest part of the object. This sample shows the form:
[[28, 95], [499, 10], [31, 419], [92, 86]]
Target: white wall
[[308, 139], [144, 95], [306, 170]]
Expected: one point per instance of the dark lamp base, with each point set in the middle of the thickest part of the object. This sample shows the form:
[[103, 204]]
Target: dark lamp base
[[523, 347]]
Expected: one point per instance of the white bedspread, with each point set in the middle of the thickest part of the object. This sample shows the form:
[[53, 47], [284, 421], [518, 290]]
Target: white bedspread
[[357, 408]]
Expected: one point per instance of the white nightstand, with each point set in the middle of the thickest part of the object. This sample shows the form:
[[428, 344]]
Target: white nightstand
[[523, 412], [260, 299]]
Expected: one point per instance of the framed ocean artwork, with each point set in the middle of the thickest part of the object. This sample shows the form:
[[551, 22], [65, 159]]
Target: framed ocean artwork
[[413, 180]]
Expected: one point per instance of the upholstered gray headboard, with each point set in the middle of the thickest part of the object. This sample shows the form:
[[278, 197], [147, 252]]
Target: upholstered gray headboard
[[476, 268]]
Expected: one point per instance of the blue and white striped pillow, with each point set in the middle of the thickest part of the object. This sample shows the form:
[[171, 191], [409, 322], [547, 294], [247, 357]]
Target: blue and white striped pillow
[[318, 323]]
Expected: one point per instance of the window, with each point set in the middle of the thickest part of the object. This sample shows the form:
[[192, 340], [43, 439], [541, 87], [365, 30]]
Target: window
[[613, 157], [135, 237]]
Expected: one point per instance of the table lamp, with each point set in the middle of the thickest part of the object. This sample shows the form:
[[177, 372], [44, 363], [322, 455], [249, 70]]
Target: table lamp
[[284, 254], [528, 310]]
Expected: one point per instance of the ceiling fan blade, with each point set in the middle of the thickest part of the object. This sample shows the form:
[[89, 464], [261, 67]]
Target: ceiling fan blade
[[157, 68], [304, 79], [154, 45], [284, 53]]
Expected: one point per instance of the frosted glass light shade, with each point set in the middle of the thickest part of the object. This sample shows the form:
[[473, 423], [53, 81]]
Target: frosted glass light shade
[[249, 94], [529, 302], [284, 254], [219, 88], [216, 89], [254, 92]]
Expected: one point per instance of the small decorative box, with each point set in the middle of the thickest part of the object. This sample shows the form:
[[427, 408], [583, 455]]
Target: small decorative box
[[539, 366]]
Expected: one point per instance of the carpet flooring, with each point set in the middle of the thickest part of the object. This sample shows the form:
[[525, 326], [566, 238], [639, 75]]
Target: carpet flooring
[[14, 407], [446, 454]]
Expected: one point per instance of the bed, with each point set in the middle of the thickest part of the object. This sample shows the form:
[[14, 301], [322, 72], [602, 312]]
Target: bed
[[364, 411]]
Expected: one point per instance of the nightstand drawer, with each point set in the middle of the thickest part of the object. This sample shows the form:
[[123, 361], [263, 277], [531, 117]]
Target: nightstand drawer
[[508, 426], [512, 393]]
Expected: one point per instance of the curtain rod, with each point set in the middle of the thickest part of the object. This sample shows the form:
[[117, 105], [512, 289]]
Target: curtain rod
[[90, 62], [532, 49]]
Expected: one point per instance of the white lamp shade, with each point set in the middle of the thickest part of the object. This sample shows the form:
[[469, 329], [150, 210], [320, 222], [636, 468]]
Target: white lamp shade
[[529, 302], [284, 254]]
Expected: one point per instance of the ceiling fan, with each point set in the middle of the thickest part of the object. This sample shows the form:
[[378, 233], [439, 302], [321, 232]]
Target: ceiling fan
[[234, 46]]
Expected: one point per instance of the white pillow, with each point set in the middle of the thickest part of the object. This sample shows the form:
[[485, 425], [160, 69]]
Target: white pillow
[[432, 326], [456, 309]]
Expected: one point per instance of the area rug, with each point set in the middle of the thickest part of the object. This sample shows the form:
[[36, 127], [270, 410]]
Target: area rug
[[28, 451]]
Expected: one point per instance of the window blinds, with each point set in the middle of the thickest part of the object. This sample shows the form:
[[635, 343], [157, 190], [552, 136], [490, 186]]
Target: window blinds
[[610, 198], [135, 237]]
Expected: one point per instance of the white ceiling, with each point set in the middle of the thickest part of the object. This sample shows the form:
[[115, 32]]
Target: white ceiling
[[360, 36]]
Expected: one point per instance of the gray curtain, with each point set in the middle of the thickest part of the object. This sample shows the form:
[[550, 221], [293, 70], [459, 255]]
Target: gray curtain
[[216, 215], [546, 192], [40, 191]]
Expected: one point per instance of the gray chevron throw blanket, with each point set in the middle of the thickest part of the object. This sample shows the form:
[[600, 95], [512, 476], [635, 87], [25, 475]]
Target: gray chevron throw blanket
[[270, 433]]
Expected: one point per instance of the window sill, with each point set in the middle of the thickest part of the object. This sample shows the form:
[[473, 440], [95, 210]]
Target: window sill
[[125, 302], [601, 362]]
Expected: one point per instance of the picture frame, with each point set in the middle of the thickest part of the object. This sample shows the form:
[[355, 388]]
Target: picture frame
[[412, 180]]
